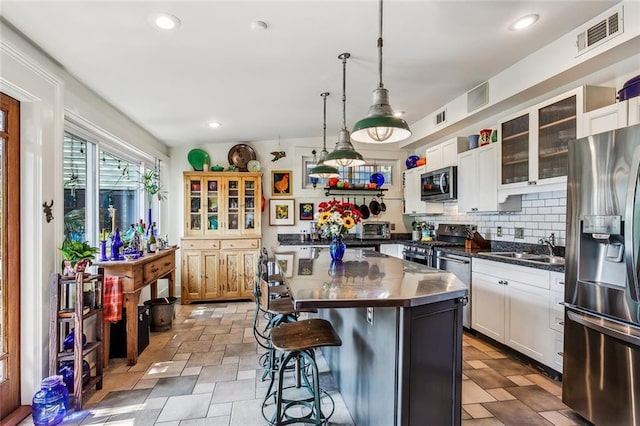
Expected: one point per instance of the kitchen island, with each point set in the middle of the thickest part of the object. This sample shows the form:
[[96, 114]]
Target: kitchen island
[[400, 362]]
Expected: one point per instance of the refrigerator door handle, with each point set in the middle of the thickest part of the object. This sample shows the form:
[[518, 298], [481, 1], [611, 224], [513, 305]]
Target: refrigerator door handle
[[633, 268], [605, 326]]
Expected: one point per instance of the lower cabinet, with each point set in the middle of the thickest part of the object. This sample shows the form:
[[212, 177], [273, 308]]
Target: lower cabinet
[[511, 304], [218, 269], [393, 250]]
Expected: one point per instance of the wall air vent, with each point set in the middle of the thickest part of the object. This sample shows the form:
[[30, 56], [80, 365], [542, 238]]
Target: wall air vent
[[599, 32], [478, 96], [440, 118]]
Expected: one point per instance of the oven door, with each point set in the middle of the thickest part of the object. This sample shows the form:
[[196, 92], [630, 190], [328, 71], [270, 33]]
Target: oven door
[[422, 257]]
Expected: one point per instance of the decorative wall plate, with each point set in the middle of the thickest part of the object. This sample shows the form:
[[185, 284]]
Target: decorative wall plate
[[240, 155], [197, 157], [253, 166]]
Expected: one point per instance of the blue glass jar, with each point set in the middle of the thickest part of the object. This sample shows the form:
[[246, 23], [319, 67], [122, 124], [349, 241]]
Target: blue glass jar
[[51, 402], [337, 248], [66, 371], [67, 344]]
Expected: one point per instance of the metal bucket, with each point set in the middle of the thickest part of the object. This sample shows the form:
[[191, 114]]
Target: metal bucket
[[161, 312]]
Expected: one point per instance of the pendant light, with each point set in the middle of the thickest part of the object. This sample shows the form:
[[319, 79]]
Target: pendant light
[[344, 154], [322, 170], [380, 125]]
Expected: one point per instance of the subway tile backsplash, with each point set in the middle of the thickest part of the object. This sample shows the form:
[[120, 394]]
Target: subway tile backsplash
[[542, 214]]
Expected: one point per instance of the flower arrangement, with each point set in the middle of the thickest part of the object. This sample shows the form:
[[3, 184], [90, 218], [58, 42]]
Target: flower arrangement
[[335, 218]]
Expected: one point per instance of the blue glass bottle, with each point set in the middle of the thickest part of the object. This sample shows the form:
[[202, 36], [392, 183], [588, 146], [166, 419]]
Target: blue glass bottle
[[337, 248], [51, 402], [68, 342]]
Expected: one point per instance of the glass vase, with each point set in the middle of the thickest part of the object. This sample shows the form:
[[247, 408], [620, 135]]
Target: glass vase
[[337, 248], [51, 402]]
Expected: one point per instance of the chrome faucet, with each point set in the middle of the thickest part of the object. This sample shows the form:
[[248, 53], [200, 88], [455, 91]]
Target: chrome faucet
[[550, 241]]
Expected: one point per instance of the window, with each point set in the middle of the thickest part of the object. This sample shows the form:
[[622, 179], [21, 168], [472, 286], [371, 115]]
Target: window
[[352, 175], [75, 187], [120, 195]]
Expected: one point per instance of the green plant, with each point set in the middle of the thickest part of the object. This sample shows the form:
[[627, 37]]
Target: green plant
[[150, 183], [75, 251]]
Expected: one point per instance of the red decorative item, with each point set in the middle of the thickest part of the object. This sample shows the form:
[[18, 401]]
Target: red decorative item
[[333, 182], [264, 203]]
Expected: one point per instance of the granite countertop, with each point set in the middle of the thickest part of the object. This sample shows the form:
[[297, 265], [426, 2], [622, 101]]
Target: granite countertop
[[496, 246], [478, 253], [363, 279]]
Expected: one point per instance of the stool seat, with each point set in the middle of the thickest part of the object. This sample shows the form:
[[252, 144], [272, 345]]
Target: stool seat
[[278, 290], [304, 335], [284, 306]]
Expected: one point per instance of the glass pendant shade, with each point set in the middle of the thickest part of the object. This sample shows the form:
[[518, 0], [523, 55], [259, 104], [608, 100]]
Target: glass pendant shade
[[380, 125], [344, 154]]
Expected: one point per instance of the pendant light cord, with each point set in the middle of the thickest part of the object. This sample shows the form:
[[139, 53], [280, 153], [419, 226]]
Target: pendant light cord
[[324, 121], [380, 85], [344, 57]]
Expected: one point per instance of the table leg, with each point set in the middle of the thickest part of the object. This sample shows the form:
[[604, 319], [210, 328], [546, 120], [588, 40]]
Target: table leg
[[106, 343], [131, 301], [154, 290], [171, 282]]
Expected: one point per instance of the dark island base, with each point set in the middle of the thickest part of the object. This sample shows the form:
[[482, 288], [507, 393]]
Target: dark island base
[[403, 369]]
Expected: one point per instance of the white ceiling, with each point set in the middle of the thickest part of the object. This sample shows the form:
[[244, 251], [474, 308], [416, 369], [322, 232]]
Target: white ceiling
[[265, 85]]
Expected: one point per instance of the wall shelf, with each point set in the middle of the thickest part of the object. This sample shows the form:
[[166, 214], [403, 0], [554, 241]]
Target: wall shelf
[[379, 192]]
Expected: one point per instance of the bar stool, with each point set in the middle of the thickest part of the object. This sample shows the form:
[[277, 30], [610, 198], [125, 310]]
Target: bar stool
[[297, 342]]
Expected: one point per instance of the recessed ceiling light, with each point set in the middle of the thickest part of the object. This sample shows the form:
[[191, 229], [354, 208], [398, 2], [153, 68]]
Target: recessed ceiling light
[[165, 21], [259, 25], [524, 22], [214, 124]]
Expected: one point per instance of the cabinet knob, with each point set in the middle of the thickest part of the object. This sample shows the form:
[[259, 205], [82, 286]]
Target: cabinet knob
[[561, 353], [561, 323], [560, 282]]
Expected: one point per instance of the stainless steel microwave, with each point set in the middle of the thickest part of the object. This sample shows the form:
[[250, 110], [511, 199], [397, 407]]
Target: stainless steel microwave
[[439, 185]]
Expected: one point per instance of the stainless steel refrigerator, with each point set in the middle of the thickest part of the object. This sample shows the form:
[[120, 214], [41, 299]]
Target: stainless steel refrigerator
[[601, 377]]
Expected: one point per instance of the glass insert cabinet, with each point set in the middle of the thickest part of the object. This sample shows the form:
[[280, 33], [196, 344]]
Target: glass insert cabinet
[[222, 204], [535, 141]]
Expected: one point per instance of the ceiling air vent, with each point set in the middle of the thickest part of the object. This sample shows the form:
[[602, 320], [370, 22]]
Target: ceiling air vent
[[440, 118], [478, 96], [599, 32]]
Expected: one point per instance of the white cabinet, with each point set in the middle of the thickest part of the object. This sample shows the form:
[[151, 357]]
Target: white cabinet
[[478, 182], [611, 117], [488, 299], [511, 305], [604, 119], [412, 198], [393, 250], [444, 154], [634, 111], [556, 322], [534, 156]]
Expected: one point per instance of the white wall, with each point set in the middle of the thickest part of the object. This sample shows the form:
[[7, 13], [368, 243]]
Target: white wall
[[44, 91]]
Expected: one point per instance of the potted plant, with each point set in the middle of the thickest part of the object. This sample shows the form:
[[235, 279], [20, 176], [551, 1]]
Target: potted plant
[[76, 255]]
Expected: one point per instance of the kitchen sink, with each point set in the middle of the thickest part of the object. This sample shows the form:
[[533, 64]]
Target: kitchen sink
[[526, 257]]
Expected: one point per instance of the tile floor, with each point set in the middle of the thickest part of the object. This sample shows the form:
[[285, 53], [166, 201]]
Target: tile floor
[[205, 371]]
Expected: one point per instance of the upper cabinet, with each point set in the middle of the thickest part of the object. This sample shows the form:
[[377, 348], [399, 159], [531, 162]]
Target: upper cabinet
[[413, 203], [444, 154], [611, 117], [478, 182], [222, 204], [534, 155]]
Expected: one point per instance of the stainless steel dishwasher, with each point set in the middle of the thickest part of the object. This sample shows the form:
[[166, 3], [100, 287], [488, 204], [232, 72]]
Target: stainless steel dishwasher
[[460, 266]]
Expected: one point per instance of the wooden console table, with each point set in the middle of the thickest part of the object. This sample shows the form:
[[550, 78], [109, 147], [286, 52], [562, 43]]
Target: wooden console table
[[138, 274]]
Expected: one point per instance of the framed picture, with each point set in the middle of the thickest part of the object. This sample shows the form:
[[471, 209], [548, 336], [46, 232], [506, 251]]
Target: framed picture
[[285, 263], [306, 211], [305, 266], [281, 183], [282, 212]]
